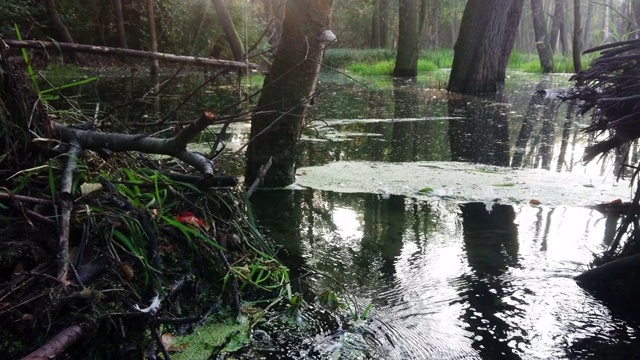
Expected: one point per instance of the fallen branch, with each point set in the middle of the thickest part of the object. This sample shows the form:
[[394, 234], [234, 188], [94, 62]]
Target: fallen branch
[[65, 203], [176, 146], [106, 50], [57, 344], [261, 174]]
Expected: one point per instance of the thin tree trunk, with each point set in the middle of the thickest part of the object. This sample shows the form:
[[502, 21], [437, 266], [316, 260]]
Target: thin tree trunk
[[577, 29], [117, 12], [229, 30], [587, 25], [384, 23], [375, 25], [558, 35], [542, 38], [63, 33], [155, 65]]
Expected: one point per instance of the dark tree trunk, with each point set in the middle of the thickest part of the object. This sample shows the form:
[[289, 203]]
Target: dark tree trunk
[[482, 50], [542, 38], [117, 13], [408, 39], [577, 35], [287, 89], [229, 30], [63, 33]]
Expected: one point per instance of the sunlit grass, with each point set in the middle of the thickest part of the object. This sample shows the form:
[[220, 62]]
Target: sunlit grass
[[382, 61], [561, 64], [386, 67]]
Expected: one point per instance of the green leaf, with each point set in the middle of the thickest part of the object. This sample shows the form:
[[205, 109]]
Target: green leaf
[[425, 190]]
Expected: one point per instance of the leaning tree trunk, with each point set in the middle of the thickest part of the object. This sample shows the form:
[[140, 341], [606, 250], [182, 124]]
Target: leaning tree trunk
[[229, 30], [542, 37], [408, 38], [287, 90], [54, 17], [486, 38]]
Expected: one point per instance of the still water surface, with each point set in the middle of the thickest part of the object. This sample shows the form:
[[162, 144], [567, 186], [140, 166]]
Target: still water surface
[[446, 279]]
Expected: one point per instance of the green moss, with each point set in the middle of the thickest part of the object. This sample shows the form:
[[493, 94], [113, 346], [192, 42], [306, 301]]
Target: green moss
[[226, 336]]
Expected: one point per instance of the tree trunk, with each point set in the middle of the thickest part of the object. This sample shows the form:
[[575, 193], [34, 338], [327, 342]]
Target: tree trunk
[[435, 24], [117, 12], [287, 90], [408, 38], [542, 38], [63, 33], [486, 38], [155, 65], [384, 23], [229, 30], [577, 29], [558, 34], [375, 25], [587, 25]]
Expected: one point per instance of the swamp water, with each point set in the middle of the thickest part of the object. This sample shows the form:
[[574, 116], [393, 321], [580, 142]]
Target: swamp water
[[418, 203], [411, 203]]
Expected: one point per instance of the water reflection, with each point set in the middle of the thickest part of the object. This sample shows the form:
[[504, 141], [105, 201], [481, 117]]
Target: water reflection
[[491, 247], [453, 281], [481, 135]]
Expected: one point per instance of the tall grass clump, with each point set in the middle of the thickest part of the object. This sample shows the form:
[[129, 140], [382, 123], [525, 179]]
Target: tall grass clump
[[441, 58], [561, 64], [340, 58]]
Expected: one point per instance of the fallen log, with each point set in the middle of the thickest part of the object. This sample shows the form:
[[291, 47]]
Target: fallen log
[[106, 50]]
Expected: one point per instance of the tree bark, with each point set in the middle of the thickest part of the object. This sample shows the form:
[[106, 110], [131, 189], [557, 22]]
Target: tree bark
[[63, 33], [375, 25], [155, 66], [105, 50], [542, 38], [229, 30], [486, 38], [558, 35], [287, 90], [117, 12], [384, 23], [577, 30], [408, 38]]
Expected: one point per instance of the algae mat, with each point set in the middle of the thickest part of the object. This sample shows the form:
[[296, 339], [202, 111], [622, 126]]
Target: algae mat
[[463, 182]]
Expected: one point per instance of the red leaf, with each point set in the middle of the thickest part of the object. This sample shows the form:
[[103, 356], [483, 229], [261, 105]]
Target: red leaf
[[188, 218]]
